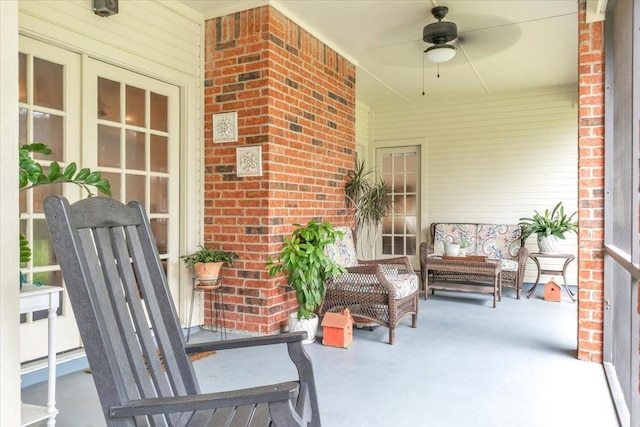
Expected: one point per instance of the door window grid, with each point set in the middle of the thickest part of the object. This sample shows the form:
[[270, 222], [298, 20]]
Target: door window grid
[[399, 170]]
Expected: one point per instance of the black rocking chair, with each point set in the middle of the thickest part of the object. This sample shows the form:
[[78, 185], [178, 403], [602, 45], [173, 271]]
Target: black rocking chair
[[133, 340]]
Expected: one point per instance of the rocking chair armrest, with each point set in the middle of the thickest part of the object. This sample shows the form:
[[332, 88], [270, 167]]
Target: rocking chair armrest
[[165, 405], [285, 338]]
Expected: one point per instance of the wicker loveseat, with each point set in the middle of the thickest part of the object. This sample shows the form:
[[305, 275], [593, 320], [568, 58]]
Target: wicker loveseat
[[379, 291], [494, 241]]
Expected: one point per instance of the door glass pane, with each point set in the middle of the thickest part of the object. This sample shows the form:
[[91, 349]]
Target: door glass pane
[[49, 129], [114, 182], [135, 188], [158, 152], [159, 227], [22, 125], [42, 192], [108, 146], [47, 84], [108, 100], [135, 112], [159, 192], [42, 252], [135, 150], [159, 117], [22, 77]]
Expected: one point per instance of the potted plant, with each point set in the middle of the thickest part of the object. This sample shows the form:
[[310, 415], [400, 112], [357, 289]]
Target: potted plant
[[369, 201], [206, 264], [32, 174], [303, 259], [549, 227]]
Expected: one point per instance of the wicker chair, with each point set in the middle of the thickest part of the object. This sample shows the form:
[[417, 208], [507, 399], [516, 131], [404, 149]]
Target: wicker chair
[[380, 291]]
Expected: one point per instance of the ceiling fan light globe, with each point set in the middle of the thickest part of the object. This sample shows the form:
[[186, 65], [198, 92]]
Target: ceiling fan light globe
[[440, 53]]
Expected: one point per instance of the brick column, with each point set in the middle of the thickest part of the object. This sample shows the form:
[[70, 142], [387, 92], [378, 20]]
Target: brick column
[[295, 97], [590, 188]]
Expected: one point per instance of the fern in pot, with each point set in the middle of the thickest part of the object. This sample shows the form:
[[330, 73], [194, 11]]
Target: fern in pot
[[307, 267], [206, 264], [549, 227]]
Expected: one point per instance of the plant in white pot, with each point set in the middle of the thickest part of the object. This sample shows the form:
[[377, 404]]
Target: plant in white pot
[[549, 227], [308, 267], [206, 264]]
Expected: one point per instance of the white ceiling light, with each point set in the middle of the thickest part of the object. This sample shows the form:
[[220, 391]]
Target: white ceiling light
[[440, 53]]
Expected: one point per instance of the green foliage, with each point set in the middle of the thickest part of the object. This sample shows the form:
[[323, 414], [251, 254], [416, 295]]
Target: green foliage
[[306, 264], [32, 175], [369, 201], [554, 222], [209, 255]]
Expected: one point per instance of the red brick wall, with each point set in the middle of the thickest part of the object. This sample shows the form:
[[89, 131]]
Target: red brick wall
[[296, 98], [591, 188]]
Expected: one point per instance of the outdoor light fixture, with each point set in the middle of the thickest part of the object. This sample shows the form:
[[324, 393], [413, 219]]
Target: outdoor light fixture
[[105, 8], [440, 53]]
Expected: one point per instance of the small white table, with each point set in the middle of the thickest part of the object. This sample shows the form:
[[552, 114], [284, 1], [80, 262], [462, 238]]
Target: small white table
[[34, 298]]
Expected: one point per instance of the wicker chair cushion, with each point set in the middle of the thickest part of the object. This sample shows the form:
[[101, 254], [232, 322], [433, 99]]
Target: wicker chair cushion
[[343, 251], [404, 284]]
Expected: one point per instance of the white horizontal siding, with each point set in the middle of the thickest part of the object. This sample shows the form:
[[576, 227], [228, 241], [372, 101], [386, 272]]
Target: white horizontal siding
[[163, 33], [363, 129], [491, 159]]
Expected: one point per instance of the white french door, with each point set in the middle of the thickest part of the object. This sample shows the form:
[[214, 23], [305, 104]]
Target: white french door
[[399, 168], [132, 129], [49, 111], [121, 123]]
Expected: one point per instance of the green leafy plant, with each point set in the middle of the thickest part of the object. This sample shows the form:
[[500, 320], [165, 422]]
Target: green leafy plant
[[552, 223], [308, 267], [32, 175], [209, 255], [369, 201]]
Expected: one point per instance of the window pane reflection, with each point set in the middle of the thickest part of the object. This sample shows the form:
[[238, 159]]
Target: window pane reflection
[[114, 182], [108, 146], [386, 245], [158, 150], [22, 77], [135, 150], [22, 125], [108, 100], [135, 188], [411, 245], [47, 84], [48, 129], [135, 109], [42, 252], [159, 112], [158, 193], [42, 192], [159, 227]]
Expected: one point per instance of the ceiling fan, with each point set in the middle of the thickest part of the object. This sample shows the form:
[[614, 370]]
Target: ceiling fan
[[439, 34]]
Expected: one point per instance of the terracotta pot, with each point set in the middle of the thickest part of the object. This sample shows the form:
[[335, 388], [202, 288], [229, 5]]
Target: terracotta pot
[[207, 272]]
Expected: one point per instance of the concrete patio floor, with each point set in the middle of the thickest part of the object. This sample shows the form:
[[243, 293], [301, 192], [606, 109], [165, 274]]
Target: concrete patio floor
[[466, 364]]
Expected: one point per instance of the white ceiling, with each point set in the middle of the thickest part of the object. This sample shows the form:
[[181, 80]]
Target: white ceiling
[[503, 45]]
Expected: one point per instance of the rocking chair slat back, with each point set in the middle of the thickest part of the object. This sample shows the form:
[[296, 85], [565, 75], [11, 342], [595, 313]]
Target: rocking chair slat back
[[131, 332]]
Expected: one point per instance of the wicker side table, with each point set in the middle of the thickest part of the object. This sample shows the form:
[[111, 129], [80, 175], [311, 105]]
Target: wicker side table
[[465, 274]]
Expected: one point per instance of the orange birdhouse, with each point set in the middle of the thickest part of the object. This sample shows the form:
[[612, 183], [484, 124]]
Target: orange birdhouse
[[552, 291], [337, 329]]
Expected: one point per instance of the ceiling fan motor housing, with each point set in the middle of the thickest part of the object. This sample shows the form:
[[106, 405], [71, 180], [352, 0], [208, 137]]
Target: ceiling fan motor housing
[[439, 32]]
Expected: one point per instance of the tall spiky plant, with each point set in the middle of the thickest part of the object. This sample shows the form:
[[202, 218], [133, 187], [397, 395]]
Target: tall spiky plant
[[369, 201]]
